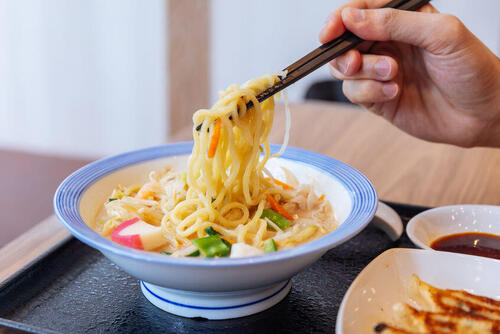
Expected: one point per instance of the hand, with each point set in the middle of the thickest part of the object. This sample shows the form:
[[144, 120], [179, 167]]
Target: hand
[[424, 72]]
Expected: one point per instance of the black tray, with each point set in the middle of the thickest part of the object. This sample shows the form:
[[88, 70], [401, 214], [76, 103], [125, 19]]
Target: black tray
[[75, 289]]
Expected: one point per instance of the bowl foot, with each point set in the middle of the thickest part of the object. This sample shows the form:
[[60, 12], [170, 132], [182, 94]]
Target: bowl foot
[[215, 305]]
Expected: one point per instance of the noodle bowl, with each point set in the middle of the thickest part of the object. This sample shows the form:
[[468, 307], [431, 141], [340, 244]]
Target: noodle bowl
[[226, 203]]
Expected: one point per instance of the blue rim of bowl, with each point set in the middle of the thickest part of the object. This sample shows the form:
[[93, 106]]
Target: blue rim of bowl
[[68, 195]]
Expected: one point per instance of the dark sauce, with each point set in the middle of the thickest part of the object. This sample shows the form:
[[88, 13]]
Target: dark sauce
[[481, 244]]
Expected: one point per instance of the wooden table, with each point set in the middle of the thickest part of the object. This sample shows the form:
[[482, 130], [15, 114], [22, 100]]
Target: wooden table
[[28, 182], [402, 168]]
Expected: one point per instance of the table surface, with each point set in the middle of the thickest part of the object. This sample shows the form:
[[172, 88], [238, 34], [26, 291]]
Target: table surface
[[29, 178], [402, 168]]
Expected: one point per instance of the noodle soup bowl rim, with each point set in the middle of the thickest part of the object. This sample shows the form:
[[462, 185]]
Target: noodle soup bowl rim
[[68, 195]]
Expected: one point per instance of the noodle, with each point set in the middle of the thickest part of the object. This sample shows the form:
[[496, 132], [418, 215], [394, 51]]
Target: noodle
[[225, 187]]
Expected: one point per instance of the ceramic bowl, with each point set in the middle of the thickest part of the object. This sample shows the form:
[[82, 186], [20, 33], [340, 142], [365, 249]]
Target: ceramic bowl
[[213, 288], [385, 281], [432, 224]]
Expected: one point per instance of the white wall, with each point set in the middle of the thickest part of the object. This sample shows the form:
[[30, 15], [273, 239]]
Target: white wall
[[481, 17], [82, 77], [250, 39]]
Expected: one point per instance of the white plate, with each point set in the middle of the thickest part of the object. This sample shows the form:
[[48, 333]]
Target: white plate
[[384, 282], [432, 224]]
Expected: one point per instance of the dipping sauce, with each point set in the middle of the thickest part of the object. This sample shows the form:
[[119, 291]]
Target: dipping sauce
[[481, 244]]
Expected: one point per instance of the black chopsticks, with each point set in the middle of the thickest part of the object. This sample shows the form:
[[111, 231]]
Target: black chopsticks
[[327, 52]]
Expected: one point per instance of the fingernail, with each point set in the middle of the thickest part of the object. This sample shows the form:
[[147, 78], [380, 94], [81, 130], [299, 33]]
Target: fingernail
[[355, 14], [342, 64], [383, 68], [390, 89]]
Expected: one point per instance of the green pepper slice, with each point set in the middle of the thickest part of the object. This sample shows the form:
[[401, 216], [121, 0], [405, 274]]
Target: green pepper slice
[[276, 218], [212, 246], [270, 246]]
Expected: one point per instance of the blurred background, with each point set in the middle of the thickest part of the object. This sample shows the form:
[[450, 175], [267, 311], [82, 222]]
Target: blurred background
[[82, 79]]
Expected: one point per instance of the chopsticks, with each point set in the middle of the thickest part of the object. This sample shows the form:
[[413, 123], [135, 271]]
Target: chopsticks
[[327, 52]]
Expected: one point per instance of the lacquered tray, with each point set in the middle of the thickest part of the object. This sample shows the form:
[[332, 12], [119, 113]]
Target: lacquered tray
[[75, 289]]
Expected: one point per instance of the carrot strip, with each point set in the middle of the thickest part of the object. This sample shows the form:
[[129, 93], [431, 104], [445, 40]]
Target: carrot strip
[[279, 183], [322, 197], [278, 208], [283, 184], [214, 141], [261, 149]]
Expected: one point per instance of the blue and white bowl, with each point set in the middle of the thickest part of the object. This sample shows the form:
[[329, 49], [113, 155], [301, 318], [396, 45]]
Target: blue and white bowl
[[213, 288]]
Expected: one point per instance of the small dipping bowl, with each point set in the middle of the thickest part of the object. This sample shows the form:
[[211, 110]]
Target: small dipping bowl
[[221, 288], [430, 225]]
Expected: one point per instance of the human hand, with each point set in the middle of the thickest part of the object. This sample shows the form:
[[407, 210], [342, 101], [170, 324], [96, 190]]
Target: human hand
[[423, 71]]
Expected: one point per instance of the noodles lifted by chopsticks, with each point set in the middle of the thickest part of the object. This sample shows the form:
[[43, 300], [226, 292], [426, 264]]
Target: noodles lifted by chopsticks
[[222, 188], [225, 187]]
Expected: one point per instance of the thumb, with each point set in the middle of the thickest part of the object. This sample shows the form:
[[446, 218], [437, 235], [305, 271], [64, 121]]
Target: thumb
[[437, 33]]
